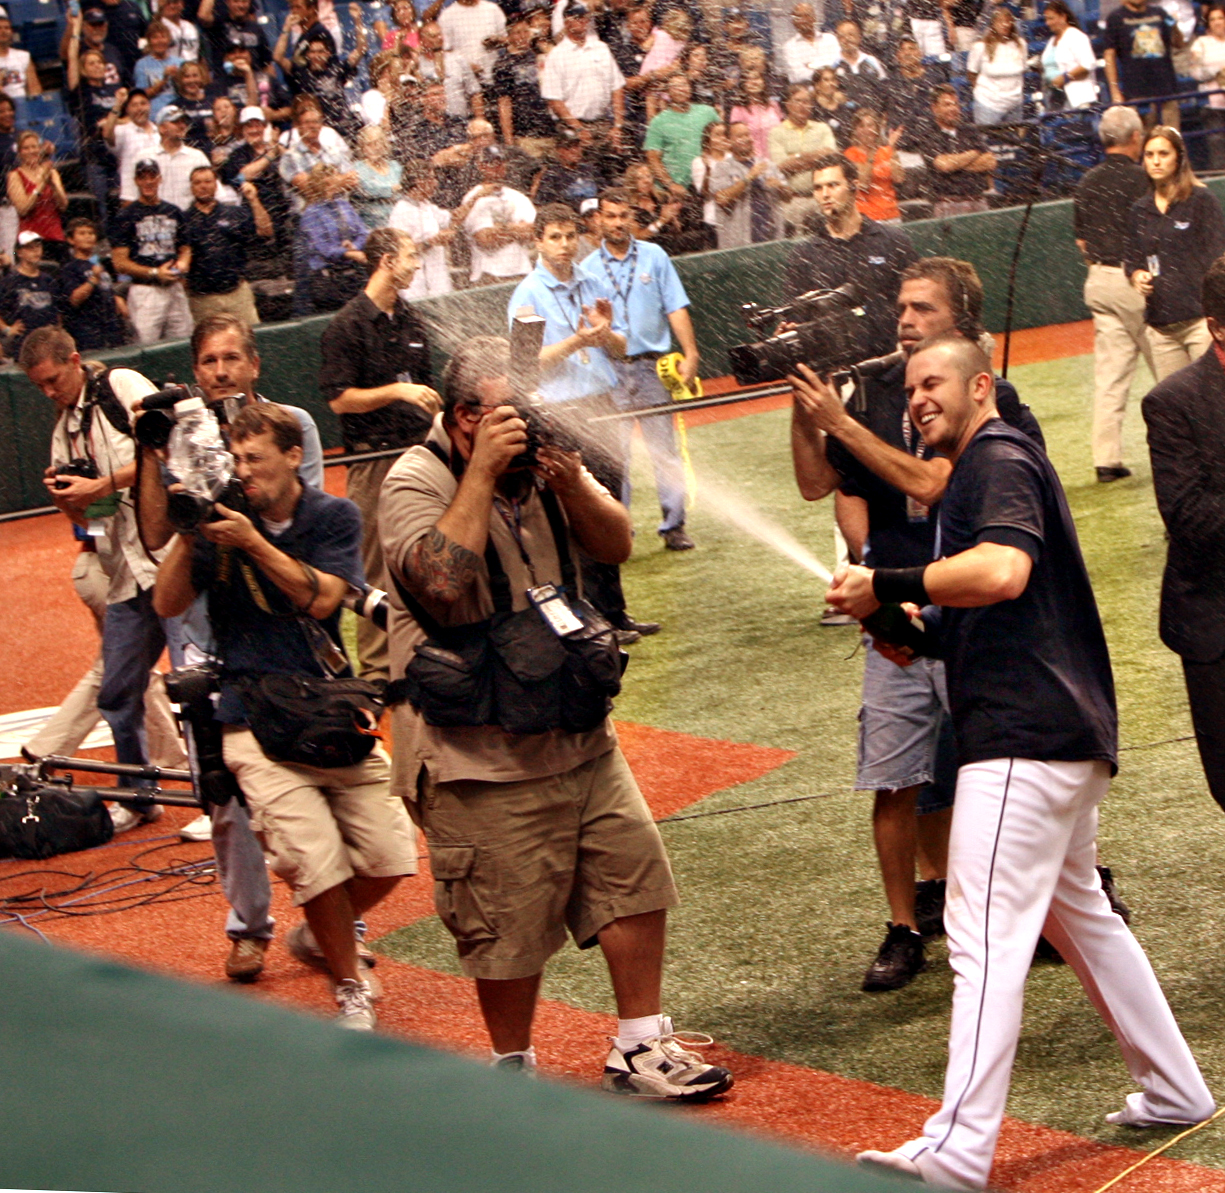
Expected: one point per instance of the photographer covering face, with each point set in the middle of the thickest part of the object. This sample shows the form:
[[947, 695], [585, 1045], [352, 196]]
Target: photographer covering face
[[468, 528], [275, 580]]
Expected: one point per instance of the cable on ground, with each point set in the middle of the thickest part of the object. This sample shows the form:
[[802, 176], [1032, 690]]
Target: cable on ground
[[1169, 1143]]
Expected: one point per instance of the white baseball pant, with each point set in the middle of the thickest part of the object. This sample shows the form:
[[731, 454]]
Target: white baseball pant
[[1022, 855]]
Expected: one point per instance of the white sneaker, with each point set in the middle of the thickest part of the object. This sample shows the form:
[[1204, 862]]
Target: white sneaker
[[356, 1005], [891, 1162], [523, 1063], [664, 1068], [123, 818], [200, 829], [1133, 1114]]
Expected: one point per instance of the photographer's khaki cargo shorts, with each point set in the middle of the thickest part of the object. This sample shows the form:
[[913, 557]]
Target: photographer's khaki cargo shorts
[[516, 864], [322, 826]]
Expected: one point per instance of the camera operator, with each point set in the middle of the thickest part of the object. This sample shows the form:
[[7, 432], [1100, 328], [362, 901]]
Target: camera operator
[[848, 247], [374, 373], [226, 364], [275, 581], [549, 825], [886, 482], [93, 467], [1033, 706]]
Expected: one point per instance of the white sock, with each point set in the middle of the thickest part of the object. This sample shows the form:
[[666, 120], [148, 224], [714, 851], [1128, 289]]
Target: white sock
[[528, 1054], [632, 1032]]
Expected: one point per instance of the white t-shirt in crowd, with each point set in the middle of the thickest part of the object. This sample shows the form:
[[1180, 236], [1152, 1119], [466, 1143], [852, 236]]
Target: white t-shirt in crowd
[[1001, 78], [465, 28], [184, 39], [1207, 62], [710, 209], [583, 76], [131, 144], [1075, 49], [508, 206], [423, 220], [13, 67]]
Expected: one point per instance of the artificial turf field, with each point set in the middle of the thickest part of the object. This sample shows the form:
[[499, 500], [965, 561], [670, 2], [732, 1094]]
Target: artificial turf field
[[782, 905], [783, 909]]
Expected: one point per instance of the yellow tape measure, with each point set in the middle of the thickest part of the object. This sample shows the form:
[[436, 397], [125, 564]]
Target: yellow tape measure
[[669, 370]]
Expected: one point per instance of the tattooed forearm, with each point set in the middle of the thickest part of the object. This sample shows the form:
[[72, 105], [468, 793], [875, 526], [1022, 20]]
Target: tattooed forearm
[[439, 569]]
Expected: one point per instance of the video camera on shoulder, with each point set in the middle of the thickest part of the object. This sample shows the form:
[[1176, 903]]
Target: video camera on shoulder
[[543, 426], [831, 334]]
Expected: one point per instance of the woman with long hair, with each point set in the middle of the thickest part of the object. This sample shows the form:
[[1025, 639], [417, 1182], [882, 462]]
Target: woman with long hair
[[37, 193], [668, 43], [996, 70], [1208, 66], [379, 176], [193, 93], [756, 109], [1173, 234], [878, 167], [1069, 62]]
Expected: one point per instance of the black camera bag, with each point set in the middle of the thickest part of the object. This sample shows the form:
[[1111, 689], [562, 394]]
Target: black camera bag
[[325, 721], [39, 821], [511, 670]]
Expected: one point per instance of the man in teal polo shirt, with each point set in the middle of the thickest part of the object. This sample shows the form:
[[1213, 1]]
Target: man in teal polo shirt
[[649, 307], [674, 137]]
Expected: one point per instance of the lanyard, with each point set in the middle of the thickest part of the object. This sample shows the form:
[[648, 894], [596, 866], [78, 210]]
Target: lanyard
[[572, 296], [511, 512], [632, 261]]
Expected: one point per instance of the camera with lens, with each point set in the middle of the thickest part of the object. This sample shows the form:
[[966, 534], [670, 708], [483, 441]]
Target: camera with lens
[[77, 467], [830, 333], [192, 689]]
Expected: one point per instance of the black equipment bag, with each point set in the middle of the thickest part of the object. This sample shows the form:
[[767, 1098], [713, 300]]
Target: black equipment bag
[[512, 670], [40, 821], [312, 720]]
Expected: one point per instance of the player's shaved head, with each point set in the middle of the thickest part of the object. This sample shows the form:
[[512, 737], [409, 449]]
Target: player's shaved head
[[964, 355]]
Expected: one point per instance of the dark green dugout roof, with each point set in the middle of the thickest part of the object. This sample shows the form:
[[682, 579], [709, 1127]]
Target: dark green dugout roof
[[120, 1081]]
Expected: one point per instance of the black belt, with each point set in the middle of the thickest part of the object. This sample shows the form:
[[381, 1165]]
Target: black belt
[[642, 356], [1108, 264]]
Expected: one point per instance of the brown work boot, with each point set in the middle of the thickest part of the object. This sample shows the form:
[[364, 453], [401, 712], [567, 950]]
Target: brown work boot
[[246, 960]]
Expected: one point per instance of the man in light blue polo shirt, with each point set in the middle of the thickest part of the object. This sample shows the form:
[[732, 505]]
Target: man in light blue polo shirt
[[576, 371], [649, 306]]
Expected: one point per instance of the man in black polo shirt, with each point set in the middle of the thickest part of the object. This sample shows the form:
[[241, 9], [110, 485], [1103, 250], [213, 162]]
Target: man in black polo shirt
[[1032, 700], [907, 90], [847, 247], [1100, 210], [523, 117], [959, 164], [567, 178], [376, 360], [218, 235], [1139, 42]]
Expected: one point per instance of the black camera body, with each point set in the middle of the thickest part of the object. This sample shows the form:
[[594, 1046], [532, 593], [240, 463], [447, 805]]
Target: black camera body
[[157, 419], [830, 334], [544, 429], [192, 689], [186, 511], [76, 467]]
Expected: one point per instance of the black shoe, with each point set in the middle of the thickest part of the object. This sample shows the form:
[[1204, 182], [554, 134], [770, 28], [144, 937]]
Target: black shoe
[[644, 629], [627, 637], [1116, 904], [677, 540], [899, 960], [929, 907], [1106, 475]]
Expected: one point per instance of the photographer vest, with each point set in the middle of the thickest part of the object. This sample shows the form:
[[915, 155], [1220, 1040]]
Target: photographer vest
[[513, 670]]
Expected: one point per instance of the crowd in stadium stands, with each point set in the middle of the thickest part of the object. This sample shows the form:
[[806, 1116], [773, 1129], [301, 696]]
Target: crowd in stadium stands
[[181, 157]]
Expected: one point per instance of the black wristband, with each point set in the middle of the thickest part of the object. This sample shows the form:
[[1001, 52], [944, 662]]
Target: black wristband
[[893, 586]]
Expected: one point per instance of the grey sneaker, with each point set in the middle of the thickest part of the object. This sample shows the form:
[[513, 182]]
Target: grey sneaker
[[664, 1068], [677, 540], [300, 941], [356, 1005]]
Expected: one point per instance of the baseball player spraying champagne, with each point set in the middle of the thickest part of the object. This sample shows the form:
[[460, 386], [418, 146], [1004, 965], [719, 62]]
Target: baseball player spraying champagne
[[1009, 602]]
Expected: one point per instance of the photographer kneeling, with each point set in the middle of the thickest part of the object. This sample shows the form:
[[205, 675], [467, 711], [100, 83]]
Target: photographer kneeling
[[275, 581], [506, 753]]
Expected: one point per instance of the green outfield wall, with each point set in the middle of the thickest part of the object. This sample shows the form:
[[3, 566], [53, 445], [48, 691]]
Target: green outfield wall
[[1049, 281], [120, 1081]]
